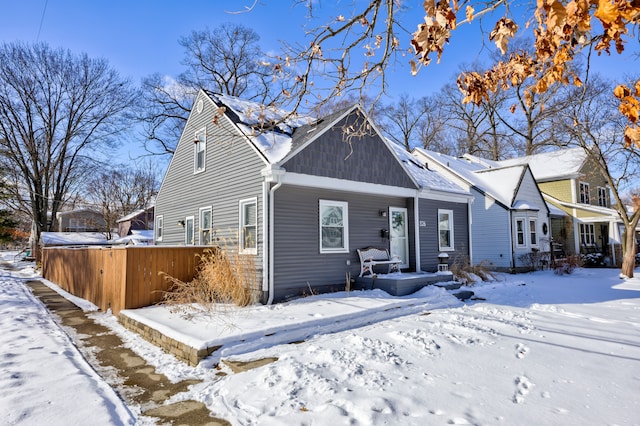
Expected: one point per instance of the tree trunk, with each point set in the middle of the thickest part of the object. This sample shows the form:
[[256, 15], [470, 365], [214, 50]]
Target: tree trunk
[[629, 251]]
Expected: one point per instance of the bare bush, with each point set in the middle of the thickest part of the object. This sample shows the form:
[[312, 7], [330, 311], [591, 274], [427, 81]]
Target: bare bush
[[567, 265], [469, 274], [224, 277]]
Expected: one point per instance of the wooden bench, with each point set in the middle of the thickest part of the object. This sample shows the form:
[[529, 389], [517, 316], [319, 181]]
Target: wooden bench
[[371, 256]]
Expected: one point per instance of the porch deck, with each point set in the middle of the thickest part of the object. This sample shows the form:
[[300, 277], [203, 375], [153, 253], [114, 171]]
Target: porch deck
[[401, 284]]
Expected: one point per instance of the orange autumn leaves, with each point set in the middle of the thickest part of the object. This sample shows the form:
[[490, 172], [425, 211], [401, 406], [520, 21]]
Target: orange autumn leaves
[[630, 107], [560, 29]]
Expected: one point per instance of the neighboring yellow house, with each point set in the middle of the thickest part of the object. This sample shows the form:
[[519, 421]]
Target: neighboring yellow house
[[582, 220]]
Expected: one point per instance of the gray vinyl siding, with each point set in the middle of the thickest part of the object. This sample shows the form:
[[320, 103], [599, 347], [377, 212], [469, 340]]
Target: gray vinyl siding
[[232, 173], [491, 231], [365, 159], [298, 264], [429, 233]]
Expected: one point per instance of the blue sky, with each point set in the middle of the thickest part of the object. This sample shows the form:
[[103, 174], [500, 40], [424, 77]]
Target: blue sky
[[140, 37]]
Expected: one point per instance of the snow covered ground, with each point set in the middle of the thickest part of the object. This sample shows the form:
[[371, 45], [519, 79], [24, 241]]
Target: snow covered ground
[[541, 349]]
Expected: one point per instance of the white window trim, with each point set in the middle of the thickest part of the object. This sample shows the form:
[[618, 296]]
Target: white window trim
[[587, 193], [535, 221], [200, 228], [605, 198], [345, 225], [451, 227], [525, 230], [583, 232], [241, 242], [201, 136], [159, 226], [193, 227]]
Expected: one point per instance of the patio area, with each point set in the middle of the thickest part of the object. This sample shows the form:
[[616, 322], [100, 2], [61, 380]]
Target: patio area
[[402, 284]]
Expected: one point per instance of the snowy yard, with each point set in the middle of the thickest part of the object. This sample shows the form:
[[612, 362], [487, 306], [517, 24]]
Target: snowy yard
[[540, 349]]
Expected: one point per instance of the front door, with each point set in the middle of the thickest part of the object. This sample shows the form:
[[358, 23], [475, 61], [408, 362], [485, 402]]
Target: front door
[[399, 235]]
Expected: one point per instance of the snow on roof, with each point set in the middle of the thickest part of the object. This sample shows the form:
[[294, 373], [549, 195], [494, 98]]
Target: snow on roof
[[525, 205], [72, 238], [252, 118], [501, 184], [137, 237], [562, 163], [427, 179], [130, 216]]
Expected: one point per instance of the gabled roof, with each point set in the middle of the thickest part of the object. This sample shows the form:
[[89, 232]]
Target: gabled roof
[[77, 211], [501, 184], [269, 128], [554, 165], [305, 134]]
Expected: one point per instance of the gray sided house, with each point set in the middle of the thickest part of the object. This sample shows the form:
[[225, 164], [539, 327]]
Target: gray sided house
[[301, 197], [510, 215]]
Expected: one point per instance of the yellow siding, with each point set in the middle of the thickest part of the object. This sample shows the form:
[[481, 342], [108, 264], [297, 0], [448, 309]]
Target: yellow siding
[[560, 189]]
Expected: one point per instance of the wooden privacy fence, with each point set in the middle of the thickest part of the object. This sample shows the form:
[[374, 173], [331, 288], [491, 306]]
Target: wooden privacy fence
[[119, 277]]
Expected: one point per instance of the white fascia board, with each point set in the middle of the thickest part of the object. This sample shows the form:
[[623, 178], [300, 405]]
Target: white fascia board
[[429, 194], [321, 182]]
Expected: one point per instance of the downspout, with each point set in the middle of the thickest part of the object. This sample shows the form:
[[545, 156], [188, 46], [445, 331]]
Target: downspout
[[416, 230], [511, 243], [470, 229], [265, 235], [271, 233], [271, 174]]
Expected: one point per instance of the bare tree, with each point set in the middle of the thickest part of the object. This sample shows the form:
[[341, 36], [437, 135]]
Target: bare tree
[[57, 110], [592, 122], [226, 59], [355, 50], [412, 122], [121, 191], [478, 129]]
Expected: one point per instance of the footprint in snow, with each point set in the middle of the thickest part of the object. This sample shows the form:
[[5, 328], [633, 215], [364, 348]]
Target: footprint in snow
[[521, 351], [523, 387]]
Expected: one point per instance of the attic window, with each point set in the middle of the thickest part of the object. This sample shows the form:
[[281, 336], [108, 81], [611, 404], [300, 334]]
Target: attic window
[[199, 106]]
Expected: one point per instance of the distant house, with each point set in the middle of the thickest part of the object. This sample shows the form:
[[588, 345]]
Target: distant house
[[75, 239], [302, 195], [510, 216], [80, 220], [139, 220], [571, 183]]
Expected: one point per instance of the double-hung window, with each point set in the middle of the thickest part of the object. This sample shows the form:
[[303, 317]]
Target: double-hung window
[[200, 151], [334, 226], [159, 225], [249, 226], [587, 234], [520, 233], [602, 197], [445, 230], [584, 193], [533, 232], [205, 226]]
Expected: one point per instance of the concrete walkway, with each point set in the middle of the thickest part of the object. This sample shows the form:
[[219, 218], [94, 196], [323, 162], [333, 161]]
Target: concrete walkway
[[137, 383]]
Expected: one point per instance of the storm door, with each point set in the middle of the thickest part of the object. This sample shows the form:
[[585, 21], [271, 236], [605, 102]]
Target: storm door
[[399, 235]]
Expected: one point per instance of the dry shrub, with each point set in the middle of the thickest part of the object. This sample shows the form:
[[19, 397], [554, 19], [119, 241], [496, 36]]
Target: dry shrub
[[469, 274], [223, 277], [567, 265]]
